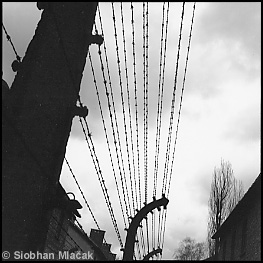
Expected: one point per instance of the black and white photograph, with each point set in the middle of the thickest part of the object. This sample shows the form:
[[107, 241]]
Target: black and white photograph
[[131, 131]]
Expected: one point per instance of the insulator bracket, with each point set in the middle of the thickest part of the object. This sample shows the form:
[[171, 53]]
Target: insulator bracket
[[80, 111], [96, 39]]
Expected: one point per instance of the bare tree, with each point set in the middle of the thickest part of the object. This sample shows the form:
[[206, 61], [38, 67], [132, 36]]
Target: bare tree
[[189, 250], [225, 193], [237, 194]]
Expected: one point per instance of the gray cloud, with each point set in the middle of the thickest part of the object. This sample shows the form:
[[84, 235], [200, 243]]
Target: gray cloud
[[236, 21], [226, 43], [244, 127], [200, 187]]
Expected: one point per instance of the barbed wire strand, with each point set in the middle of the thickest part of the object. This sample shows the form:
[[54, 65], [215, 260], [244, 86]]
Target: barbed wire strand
[[116, 140], [158, 109], [179, 113], [182, 93], [121, 93], [106, 135], [11, 42], [136, 116], [132, 180], [160, 99], [82, 194], [100, 177], [161, 220], [172, 107], [136, 105]]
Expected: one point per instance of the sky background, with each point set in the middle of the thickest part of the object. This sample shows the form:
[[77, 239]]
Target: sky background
[[220, 116]]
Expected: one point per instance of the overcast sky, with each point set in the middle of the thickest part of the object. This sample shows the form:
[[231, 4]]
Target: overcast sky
[[220, 116]]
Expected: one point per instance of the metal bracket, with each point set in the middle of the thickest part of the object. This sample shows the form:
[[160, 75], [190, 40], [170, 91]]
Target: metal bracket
[[80, 111], [16, 65], [136, 221], [154, 252], [96, 39]]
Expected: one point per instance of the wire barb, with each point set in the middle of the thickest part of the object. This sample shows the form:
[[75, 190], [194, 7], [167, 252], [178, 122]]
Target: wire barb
[[10, 40]]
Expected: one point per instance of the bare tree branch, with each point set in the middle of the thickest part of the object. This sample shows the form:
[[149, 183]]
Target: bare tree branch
[[226, 191]]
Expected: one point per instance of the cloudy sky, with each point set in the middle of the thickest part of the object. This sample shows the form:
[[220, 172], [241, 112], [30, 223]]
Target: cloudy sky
[[220, 116]]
